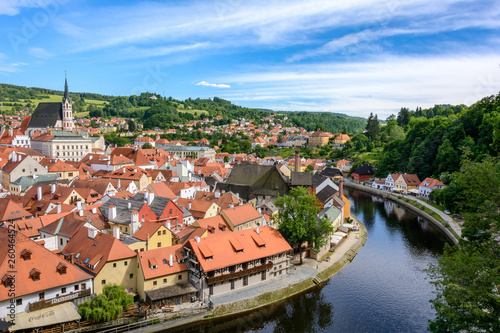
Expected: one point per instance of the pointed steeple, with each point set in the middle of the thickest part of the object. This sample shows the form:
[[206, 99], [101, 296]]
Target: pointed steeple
[[66, 93]]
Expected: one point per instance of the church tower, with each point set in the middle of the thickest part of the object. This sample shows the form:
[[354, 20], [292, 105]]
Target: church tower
[[67, 113]]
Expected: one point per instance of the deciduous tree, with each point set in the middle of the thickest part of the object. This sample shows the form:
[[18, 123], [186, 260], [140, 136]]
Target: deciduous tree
[[297, 218]]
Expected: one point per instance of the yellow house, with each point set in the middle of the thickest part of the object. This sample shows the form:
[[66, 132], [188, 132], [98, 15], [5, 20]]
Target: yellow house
[[318, 139], [407, 183], [340, 141], [162, 277], [103, 256], [152, 235], [200, 209], [60, 168], [241, 217]]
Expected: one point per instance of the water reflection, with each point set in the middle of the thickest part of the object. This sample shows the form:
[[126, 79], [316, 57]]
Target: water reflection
[[384, 289]]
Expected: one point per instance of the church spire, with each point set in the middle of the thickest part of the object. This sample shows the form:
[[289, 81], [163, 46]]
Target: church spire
[[66, 93]]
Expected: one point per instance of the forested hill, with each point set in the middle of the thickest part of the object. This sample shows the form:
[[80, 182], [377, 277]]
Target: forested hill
[[156, 111]]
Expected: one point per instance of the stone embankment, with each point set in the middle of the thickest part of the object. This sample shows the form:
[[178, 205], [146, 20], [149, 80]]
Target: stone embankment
[[410, 207]]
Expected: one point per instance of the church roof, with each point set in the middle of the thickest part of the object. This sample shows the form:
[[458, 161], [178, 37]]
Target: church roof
[[46, 114]]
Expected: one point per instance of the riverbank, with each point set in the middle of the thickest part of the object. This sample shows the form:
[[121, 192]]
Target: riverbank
[[452, 236], [309, 275]]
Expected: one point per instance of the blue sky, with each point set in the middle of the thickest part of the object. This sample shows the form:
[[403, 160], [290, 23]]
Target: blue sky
[[353, 57]]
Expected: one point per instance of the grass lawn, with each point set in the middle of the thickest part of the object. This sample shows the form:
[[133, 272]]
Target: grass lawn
[[192, 111], [373, 157], [58, 98], [81, 114]]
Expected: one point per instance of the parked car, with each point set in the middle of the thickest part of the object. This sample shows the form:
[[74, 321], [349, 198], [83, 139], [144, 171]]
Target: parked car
[[457, 216], [447, 212]]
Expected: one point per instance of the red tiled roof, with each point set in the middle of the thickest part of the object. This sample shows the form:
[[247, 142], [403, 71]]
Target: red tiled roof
[[103, 245], [42, 261], [146, 258], [223, 249], [241, 214]]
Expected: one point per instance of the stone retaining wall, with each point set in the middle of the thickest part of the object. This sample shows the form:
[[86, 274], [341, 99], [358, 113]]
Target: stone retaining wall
[[414, 209]]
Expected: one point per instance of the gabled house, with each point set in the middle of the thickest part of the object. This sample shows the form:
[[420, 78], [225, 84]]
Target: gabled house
[[362, 172], [390, 180], [18, 166], [429, 185], [200, 209], [41, 277], [340, 140], [242, 217], [59, 168], [234, 260], [163, 277], [104, 257], [407, 183]]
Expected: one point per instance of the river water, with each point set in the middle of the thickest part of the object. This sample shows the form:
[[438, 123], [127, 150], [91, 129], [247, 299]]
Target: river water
[[384, 289]]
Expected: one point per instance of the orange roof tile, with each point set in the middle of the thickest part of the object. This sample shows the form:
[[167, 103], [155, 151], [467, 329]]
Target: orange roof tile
[[163, 263], [222, 250], [241, 214], [41, 260]]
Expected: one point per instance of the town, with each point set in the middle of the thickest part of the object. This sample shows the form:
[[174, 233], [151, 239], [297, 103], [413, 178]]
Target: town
[[174, 224]]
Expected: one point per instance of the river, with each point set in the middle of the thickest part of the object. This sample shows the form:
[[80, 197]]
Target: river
[[384, 289]]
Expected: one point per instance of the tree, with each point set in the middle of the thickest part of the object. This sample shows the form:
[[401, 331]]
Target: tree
[[147, 145], [131, 125], [309, 168], [226, 159], [108, 305], [372, 127], [320, 127], [403, 117], [297, 219]]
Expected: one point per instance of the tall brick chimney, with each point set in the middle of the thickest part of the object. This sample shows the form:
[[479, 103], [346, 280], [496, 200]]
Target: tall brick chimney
[[297, 161]]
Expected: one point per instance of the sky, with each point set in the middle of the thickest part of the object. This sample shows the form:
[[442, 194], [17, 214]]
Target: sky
[[353, 57]]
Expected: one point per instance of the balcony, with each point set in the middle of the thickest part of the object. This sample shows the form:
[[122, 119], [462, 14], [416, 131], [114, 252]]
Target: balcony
[[235, 275]]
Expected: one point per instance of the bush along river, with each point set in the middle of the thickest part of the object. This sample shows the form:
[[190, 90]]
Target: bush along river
[[384, 289]]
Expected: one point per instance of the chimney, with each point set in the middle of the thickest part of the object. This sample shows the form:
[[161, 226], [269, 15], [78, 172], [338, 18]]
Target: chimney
[[11, 133], [52, 188], [111, 212], [217, 194], [134, 222], [170, 260], [118, 184], [80, 213], [39, 193], [257, 230], [151, 197], [197, 239], [72, 258], [169, 226], [79, 205], [129, 204], [59, 208], [297, 161], [116, 232], [145, 195], [94, 210], [189, 205], [92, 233], [341, 187], [14, 157]]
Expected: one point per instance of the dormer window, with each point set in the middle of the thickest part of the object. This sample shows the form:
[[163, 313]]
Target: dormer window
[[35, 274], [61, 268], [26, 254], [7, 280]]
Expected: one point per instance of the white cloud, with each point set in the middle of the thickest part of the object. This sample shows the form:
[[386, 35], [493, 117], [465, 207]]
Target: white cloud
[[381, 86], [39, 52], [12, 67], [221, 85], [13, 7]]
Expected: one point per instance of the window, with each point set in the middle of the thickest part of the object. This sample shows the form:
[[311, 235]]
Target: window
[[63, 290], [232, 284], [211, 290], [164, 232], [164, 281], [19, 301], [84, 286], [131, 276], [125, 263], [155, 283], [179, 277], [263, 276], [41, 296], [77, 287], [159, 233], [103, 282], [61, 241], [171, 210], [114, 265], [245, 280], [159, 244]]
